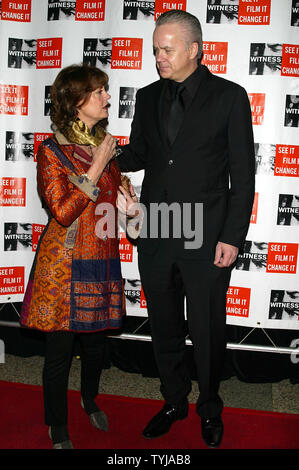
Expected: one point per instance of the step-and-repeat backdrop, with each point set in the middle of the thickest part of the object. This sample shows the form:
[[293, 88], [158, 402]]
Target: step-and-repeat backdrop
[[252, 42]]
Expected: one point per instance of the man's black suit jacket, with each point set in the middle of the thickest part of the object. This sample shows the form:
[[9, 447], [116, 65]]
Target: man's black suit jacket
[[211, 160]]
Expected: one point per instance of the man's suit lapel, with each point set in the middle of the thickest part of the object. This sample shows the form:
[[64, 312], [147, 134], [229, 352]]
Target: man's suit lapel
[[191, 113], [193, 109], [160, 121]]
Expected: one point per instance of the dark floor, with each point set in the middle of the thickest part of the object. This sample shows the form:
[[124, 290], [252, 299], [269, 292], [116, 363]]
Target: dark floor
[[280, 396]]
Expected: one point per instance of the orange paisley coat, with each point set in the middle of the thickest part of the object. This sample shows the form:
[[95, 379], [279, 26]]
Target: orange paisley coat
[[75, 282]]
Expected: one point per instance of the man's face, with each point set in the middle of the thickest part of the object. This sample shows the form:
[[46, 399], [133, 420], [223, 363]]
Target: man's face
[[174, 59]]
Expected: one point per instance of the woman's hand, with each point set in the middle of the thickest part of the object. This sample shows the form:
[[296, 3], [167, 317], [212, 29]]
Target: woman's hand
[[101, 156], [105, 151], [127, 203]]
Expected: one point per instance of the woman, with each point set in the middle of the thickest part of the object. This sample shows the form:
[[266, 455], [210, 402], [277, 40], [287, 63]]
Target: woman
[[75, 286]]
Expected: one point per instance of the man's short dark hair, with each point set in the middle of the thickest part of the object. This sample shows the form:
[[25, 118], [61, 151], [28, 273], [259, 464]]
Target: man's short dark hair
[[187, 21]]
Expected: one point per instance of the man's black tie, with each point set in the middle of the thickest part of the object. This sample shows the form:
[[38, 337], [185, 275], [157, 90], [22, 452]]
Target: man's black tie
[[176, 114]]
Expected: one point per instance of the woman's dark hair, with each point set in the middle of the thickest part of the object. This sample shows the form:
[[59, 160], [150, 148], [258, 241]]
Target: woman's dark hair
[[73, 85]]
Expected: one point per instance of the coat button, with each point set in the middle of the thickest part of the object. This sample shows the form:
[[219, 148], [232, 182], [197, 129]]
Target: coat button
[[105, 238], [109, 192], [170, 162]]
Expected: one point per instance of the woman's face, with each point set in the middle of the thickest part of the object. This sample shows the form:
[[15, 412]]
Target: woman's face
[[95, 108]]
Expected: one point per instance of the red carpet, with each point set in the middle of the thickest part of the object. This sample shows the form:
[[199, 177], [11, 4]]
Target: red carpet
[[22, 427]]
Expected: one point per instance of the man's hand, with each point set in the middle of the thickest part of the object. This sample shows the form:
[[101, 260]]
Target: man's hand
[[225, 255], [127, 203]]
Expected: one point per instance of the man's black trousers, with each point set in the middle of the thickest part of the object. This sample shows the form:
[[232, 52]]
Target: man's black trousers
[[167, 279]]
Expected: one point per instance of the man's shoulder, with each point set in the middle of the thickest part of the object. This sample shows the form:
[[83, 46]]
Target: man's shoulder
[[227, 91], [151, 88], [226, 84]]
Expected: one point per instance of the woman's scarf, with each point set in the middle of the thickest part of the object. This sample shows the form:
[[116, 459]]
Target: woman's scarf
[[79, 133]]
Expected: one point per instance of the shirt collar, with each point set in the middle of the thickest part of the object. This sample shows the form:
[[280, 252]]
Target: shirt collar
[[191, 83]]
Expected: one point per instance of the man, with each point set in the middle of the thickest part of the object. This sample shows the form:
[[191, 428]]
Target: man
[[188, 163]]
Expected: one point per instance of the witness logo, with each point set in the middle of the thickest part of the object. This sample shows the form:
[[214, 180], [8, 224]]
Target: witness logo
[[119, 53], [292, 111], [19, 146], [134, 294], [238, 301], [295, 13], [239, 12], [127, 98], [274, 59], [78, 10], [284, 305], [22, 53], [12, 280], [95, 50], [34, 53], [61, 10], [280, 160], [20, 236], [17, 237], [253, 257], [268, 257], [222, 11], [138, 10], [288, 210], [132, 288], [23, 146], [143, 10], [19, 10], [265, 59]]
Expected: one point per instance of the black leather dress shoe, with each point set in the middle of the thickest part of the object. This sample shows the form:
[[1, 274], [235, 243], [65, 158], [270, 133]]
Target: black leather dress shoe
[[212, 431], [161, 423]]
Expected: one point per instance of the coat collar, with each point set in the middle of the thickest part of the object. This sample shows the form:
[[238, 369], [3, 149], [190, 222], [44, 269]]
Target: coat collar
[[200, 94], [61, 139]]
